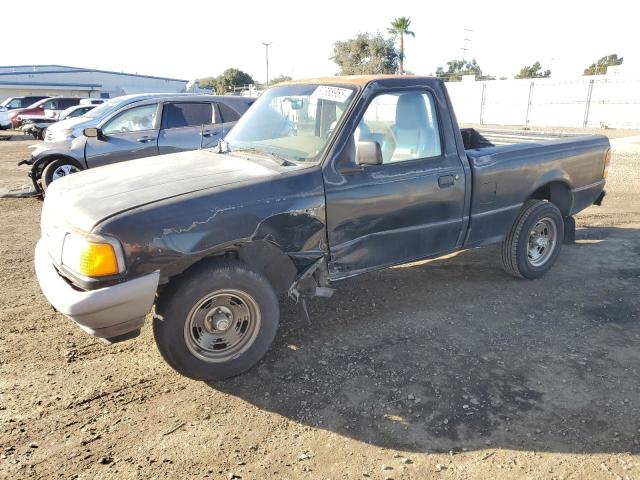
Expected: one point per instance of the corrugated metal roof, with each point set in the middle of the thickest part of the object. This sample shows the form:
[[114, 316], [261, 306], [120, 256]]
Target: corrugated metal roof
[[76, 70], [51, 84]]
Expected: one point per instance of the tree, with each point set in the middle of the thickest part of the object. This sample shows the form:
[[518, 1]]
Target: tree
[[457, 68], [230, 78], [533, 71], [207, 82], [600, 67], [280, 79], [366, 54], [400, 26]]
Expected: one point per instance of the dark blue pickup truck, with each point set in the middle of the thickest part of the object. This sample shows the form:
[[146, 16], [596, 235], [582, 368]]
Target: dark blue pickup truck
[[320, 180]]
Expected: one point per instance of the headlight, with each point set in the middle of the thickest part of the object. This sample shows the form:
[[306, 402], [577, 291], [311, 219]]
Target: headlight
[[91, 257], [61, 135]]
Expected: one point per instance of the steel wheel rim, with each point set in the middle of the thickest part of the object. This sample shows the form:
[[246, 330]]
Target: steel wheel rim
[[63, 171], [542, 241], [222, 325]]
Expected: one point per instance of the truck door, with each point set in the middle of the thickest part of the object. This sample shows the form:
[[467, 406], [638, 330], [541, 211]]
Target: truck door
[[410, 206], [184, 125], [130, 134]]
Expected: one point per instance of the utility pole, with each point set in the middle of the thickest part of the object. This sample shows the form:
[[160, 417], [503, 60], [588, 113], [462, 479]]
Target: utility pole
[[465, 46], [266, 45]]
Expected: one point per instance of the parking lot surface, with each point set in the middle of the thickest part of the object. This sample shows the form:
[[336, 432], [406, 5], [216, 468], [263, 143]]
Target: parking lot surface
[[440, 369]]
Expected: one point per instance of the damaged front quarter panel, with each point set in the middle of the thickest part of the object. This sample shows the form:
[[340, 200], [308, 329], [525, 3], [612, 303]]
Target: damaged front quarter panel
[[276, 224]]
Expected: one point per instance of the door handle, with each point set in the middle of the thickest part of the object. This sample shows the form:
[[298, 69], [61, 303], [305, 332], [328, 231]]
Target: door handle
[[446, 181], [144, 139]]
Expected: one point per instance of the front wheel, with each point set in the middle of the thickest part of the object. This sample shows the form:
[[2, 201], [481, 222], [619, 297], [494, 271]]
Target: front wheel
[[217, 321], [533, 244], [57, 169]]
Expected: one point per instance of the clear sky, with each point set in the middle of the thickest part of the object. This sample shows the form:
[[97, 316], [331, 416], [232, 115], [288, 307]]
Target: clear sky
[[189, 39]]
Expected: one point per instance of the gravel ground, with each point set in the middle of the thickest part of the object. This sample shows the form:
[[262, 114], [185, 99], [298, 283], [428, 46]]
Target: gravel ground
[[440, 369]]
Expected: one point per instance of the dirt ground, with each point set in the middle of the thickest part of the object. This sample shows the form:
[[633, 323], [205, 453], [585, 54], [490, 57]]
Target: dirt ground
[[441, 369]]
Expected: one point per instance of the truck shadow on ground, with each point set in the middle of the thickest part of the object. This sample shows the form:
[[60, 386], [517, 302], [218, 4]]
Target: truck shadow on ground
[[454, 354]]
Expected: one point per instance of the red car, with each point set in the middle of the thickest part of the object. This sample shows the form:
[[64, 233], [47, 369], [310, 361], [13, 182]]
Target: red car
[[53, 105]]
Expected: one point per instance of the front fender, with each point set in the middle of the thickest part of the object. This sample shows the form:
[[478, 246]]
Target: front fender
[[38, 166]]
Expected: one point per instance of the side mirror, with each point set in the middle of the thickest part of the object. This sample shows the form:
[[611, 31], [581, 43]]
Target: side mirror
[[92, 133], [368, 152]]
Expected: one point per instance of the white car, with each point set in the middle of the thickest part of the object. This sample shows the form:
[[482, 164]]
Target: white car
[[37, 125], [5, 123], [92, 101], [55, 106]]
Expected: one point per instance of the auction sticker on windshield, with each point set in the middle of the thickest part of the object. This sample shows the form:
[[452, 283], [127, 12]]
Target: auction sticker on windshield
[[333, 94]]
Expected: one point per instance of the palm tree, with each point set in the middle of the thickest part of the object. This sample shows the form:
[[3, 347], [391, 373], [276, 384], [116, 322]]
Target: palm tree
[[401, 26]]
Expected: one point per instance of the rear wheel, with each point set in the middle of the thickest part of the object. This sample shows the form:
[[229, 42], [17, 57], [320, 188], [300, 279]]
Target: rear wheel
[[533, 244], [57, 169], [217, 321]]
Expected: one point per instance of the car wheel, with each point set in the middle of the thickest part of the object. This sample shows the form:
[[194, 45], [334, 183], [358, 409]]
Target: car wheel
[[216, 321], [57, 169], [42, 133], [533, 244]]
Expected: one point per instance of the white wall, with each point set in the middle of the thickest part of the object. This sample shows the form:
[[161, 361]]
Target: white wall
[[591, 101]]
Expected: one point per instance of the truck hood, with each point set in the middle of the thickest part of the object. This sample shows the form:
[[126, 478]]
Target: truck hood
[[82, 200]]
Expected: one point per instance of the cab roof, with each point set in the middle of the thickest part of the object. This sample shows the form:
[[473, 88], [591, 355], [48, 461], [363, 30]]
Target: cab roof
[[356, 80]]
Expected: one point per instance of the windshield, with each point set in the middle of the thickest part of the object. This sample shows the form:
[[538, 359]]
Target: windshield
[[292, 121], [106, 107]]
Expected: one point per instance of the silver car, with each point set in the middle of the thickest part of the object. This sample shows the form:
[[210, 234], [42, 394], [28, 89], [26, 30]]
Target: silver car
[[130, 127]]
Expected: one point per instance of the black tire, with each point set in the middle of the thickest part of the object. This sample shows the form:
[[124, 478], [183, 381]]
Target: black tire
[[516, 255], [49, 174], [42, 133], [186, 296]]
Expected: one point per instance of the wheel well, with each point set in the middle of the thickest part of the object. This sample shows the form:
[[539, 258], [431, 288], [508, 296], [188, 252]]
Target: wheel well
[[265, 257], [41, 164], [557, 193]]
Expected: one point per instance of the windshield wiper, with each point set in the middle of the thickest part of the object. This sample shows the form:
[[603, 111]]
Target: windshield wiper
[[284, 162]]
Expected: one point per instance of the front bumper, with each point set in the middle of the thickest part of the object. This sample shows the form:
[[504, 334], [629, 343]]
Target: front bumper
[[109, 312]]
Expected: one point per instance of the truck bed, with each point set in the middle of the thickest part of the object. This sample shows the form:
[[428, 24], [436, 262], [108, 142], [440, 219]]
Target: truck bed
[[492, 137], [507, 167]]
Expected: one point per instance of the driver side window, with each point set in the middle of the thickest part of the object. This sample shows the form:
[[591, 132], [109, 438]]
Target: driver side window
[[404, 124], [135, 119]]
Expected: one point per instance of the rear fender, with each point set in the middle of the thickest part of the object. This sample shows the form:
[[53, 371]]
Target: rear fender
[[555, 186]]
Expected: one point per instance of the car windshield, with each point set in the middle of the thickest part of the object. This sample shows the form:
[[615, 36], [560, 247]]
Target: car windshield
[[294, 122], [107, 107]]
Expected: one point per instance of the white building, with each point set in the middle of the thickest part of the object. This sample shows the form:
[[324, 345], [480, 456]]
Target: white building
[[20, 80]]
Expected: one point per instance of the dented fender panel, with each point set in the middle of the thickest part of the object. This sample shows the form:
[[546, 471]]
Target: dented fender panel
[[284, 208]]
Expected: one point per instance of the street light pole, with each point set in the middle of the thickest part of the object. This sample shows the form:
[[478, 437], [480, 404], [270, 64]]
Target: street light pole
[[267, 51]]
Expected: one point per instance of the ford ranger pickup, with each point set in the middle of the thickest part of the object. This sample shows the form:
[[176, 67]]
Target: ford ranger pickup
[[321, 180]]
